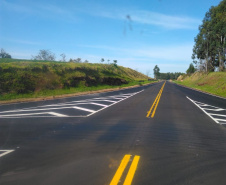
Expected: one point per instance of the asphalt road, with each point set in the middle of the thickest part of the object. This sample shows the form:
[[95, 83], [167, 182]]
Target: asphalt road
[[109, 138]]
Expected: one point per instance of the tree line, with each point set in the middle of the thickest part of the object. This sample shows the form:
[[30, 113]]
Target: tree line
[[165, 76], [209, 51], [47, 55]]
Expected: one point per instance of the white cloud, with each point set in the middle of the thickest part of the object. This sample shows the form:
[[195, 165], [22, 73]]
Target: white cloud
[[163, 20], [120, 13], [149, 18]]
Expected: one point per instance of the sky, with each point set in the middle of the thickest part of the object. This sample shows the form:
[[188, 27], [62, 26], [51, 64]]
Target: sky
[[137, 33]]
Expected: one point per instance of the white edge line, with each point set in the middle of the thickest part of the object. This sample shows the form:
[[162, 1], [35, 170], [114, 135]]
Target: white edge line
[[114, 103], [203, 110], [5, 152]]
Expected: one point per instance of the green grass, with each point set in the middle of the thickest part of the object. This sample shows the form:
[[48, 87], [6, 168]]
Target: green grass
[[92, 69], [214, 83], [21, 79], [58, 92]]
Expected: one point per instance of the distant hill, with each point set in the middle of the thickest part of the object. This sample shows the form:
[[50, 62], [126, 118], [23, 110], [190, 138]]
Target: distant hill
[[18, 77], [214, 82]]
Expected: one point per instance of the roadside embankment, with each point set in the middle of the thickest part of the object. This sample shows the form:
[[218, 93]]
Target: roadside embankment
[[27, 79], [213, 83]]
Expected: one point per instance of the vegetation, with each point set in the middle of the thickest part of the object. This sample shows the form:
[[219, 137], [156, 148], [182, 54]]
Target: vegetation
[[214, 82], [45, 55], [24, 78], [165, 76], [210, 45], [3, 54], [156, 71], [169, 76], [209, 54], [191, 69]]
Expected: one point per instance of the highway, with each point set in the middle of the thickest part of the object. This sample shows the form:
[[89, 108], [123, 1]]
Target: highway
[[160, 134]]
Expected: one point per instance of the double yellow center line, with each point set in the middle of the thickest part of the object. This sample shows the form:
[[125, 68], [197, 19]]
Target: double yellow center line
[[155, 104], [121, 169]]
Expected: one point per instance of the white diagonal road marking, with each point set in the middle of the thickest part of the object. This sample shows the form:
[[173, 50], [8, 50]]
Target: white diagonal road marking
[[57, 114], [102, 105], [5, 152], [49, 110], [203, 106], [80, 108]]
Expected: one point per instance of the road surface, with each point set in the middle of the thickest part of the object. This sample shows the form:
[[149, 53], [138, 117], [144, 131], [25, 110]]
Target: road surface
[[159, 134]]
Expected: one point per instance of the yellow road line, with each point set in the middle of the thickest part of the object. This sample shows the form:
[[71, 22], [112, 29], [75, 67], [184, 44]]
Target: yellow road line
[[149, 112], [153, 113], [120, 170], [132, 170], [155, 104]]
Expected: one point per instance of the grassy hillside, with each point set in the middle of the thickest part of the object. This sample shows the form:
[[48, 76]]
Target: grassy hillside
[[27, 79], [214, 82]]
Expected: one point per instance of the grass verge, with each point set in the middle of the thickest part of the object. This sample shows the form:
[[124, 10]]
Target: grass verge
[[60, 93], [27, 79], [213, 83]]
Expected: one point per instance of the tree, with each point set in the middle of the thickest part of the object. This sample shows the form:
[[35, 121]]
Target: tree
[[172, 76], [115, 63], [44, 55], [71, 60], [102, 60], [209, 49], [167, 76], [3, 54], [86, 61], [78, 60], [191, 69], [156, 71], [63, 57]]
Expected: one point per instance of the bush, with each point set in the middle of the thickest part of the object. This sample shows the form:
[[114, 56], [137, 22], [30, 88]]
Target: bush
[[24, 83]]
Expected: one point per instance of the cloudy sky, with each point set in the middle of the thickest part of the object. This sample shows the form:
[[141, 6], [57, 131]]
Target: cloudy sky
[[138, 34]]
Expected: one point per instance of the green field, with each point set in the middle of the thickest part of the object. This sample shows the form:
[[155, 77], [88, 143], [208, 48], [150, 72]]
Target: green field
[[35, 79], [214, 83]]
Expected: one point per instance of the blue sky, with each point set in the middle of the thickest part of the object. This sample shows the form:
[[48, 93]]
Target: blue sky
[[139, 34]]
